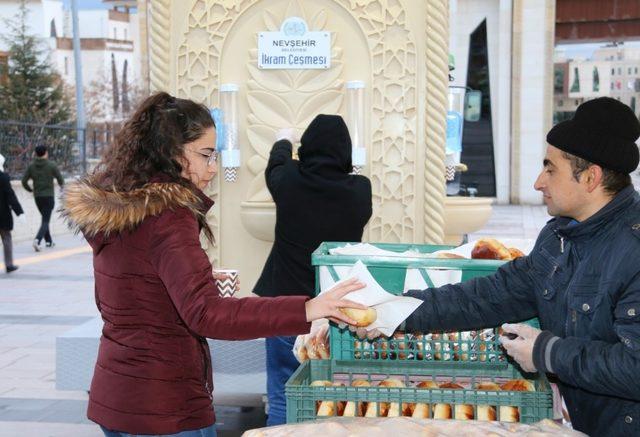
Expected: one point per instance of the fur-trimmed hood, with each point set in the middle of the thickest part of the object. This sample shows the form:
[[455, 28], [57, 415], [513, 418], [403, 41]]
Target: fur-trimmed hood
[[94, 210]]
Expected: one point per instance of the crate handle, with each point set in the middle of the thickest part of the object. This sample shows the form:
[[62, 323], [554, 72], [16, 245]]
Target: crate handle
[[426, 278], [333, 273]]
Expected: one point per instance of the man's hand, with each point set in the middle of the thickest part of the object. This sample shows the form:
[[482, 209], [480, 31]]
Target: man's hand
[[362, 333], [520, 348]]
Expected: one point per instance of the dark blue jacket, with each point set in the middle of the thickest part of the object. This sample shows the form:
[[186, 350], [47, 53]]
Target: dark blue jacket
[[583, 282]]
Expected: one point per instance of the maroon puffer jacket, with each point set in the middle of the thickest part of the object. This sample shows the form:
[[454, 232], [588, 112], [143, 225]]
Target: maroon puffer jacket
[[158, 300]]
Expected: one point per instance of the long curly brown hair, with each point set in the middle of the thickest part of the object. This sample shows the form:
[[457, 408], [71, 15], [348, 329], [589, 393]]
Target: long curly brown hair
[[152, 142]]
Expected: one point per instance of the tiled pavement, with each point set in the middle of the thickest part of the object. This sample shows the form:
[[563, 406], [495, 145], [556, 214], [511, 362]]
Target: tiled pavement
[[53, 292]]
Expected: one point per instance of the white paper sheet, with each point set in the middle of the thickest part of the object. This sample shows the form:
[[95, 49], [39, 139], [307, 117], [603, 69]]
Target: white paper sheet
[[391, 310]]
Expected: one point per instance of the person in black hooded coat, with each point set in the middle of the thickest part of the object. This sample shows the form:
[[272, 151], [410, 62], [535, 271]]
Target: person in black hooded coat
[[8, 202], [317, 199]]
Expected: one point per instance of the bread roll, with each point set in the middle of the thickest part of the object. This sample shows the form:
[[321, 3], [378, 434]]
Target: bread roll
[[353, 409], [385, 407], [489, 248], [399, 344], [487, 412], [361, 317], [324, 408], [462, 412], [420, 410], [512, 414], [515, 252]]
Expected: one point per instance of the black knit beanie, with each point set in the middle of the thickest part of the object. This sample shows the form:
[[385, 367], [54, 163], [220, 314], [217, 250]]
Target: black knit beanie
[[602, 131]]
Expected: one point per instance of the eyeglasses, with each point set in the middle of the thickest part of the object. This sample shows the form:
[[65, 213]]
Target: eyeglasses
[[212, 157]]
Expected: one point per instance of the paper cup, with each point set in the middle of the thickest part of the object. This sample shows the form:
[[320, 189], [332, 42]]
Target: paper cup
[[227, 287]]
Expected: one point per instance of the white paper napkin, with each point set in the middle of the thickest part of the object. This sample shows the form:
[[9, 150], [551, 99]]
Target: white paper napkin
[[391, 310]]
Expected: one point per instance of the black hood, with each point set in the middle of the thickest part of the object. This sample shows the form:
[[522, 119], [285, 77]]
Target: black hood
[[326, 144]]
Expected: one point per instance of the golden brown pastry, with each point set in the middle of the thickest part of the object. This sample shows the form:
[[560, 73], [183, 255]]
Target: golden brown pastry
[[361, 317], [353, 409], [324, 408], [512, 414], [386, 409], [461, 412], [487, 412], [515, 253], [399, 345], [490, 248], [420, 410], [443, 411]]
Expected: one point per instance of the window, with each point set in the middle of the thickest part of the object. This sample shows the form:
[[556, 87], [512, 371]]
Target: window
[[596, 79], [575, 86], [632, 104], [611, 86], [66, 65], [629, 70], [619, 70], [613, 72], [558, 83], [635, 70]]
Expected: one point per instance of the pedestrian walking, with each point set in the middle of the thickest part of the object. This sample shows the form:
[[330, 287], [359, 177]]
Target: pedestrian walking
[[42, 171], [8, 202]]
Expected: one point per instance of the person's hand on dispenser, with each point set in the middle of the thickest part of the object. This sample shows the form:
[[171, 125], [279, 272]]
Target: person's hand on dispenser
[[289, 133]]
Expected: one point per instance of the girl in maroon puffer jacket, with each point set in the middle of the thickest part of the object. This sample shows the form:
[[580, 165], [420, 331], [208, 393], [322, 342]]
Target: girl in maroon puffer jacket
[[142, 212]]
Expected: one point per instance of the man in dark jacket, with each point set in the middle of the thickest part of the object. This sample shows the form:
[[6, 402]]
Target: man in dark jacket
[[582, 279], [42, 171], [8, 202], [317, 199]]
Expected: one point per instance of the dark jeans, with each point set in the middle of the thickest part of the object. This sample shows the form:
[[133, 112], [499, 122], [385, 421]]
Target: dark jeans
[[280, 366], [209, 431], [45, 206], [7, 246]]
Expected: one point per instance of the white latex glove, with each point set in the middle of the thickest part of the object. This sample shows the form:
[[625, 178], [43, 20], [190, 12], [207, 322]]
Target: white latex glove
[[362, 333], [290, 134], [520, 348]]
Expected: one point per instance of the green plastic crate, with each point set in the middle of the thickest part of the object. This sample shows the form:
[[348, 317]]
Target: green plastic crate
[[389, 271], [303, 400]]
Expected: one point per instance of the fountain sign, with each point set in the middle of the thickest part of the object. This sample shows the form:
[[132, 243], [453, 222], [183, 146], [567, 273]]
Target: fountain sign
[[294, 47]]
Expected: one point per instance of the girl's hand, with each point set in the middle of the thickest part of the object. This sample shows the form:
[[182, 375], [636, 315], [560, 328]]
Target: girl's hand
[[328, 304]]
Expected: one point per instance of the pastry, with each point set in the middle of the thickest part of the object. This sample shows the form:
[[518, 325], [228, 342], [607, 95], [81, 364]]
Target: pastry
[[353, 409], [361, 317]]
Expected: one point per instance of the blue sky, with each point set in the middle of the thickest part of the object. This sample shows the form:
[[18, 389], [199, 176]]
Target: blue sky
[[86, 4]]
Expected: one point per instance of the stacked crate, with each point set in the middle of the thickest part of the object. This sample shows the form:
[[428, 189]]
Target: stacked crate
[[463, 371]]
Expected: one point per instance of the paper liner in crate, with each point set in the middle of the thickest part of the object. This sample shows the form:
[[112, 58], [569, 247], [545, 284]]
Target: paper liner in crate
[[391, 310]]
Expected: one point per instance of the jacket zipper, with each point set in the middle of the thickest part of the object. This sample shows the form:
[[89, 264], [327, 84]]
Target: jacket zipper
[[205, 365]]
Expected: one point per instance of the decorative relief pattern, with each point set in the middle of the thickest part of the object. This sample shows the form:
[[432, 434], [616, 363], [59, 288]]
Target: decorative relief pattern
[[277, 98], [437, 76], [393, 150], [160, 44], [287, 98]]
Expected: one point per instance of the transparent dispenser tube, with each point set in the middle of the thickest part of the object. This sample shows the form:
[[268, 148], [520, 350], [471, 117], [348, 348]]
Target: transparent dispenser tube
[[355, 123], [231, 149], [453, 149]]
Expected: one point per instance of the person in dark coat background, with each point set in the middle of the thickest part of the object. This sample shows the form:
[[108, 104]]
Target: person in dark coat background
[[8, 202], [317, 199]]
